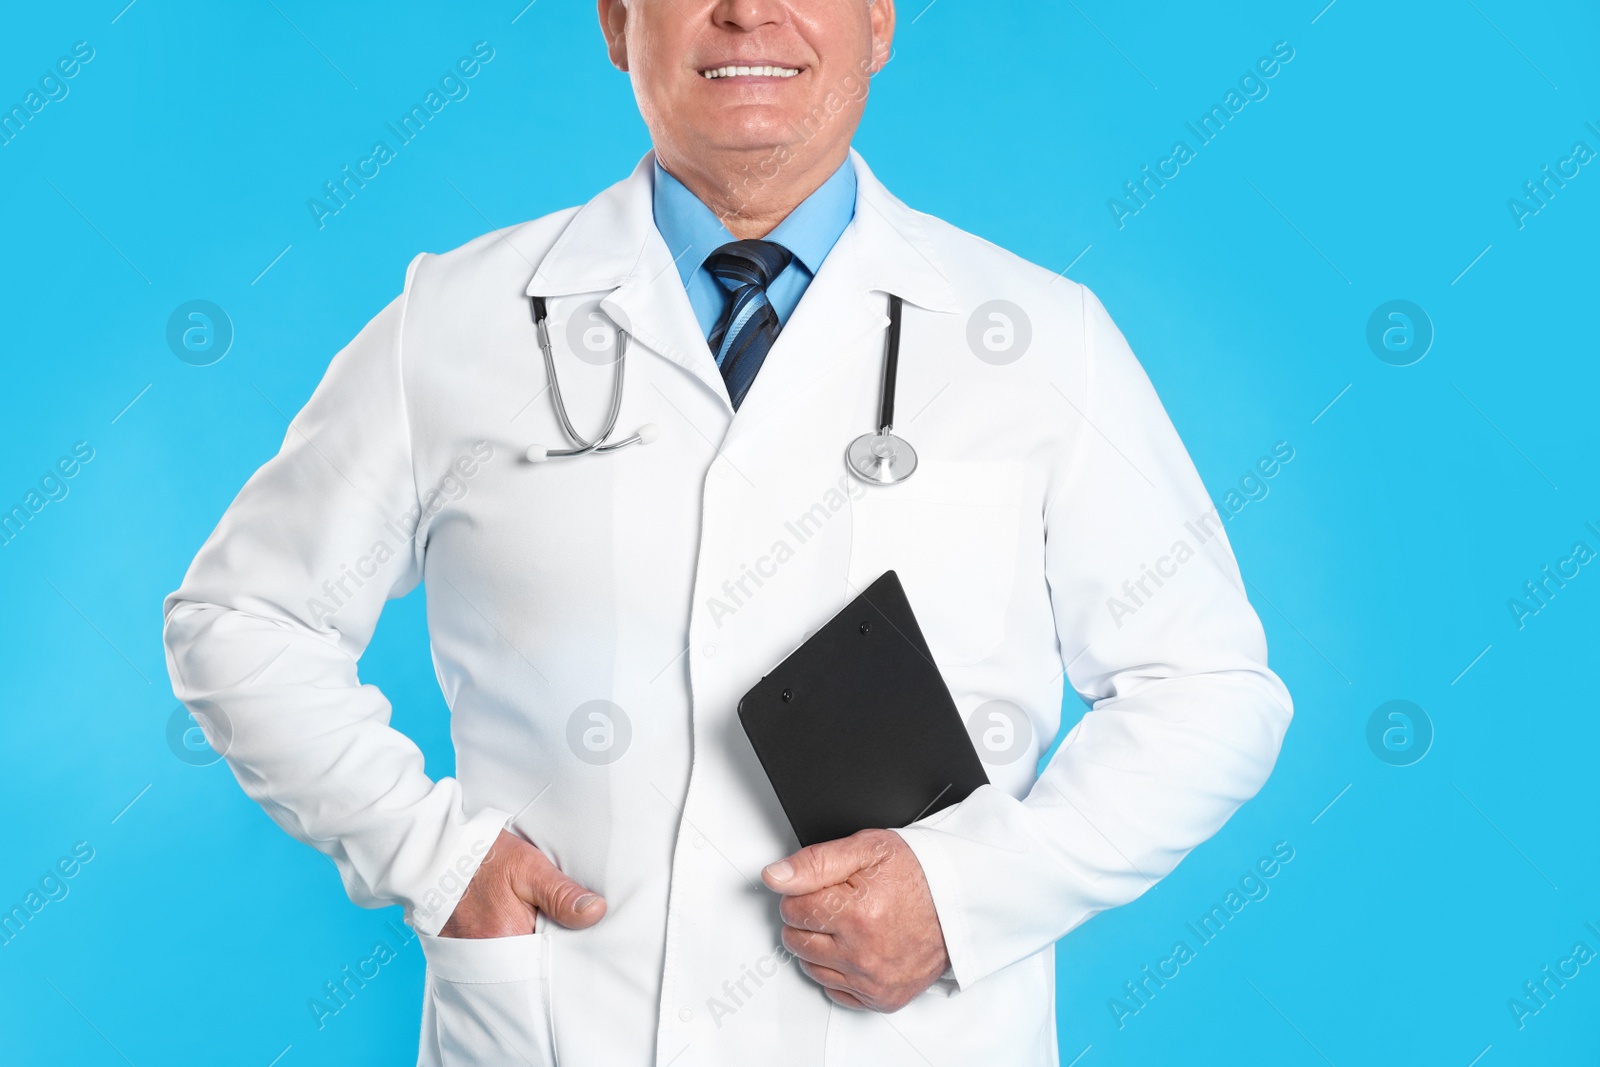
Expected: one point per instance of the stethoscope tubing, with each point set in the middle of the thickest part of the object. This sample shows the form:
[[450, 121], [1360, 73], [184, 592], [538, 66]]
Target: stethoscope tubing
[[885, 459], [618, 379], [891, 366]]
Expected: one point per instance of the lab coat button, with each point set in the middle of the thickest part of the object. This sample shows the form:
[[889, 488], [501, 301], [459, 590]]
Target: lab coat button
[[686, 1014], [709, 650]]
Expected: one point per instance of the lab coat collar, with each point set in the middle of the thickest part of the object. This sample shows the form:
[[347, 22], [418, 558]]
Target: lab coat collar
[[611, 245], [604, 245], [603, 242], [896, 255]]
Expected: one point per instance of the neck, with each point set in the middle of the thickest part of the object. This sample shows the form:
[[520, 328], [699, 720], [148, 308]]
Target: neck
[[750, 191]]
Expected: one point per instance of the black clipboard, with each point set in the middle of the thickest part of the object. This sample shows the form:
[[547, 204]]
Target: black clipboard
[[856, 729]]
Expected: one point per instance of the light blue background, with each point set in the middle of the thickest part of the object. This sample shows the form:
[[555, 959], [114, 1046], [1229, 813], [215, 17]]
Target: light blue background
[[1379, 167]]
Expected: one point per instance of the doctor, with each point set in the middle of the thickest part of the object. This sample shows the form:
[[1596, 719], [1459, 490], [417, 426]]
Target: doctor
[[608, 878]]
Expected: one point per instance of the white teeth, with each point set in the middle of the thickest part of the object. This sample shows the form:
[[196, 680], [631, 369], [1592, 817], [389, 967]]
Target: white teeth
[[744, 72]]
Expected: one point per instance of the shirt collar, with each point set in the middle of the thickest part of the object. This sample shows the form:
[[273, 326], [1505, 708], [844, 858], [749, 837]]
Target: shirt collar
[[692, 231]]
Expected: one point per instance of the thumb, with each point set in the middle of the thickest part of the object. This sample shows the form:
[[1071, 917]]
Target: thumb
[[541, 883], [829, 863]]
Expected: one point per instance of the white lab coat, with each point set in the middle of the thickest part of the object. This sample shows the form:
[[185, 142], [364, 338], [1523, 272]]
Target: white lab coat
[[667, 579]]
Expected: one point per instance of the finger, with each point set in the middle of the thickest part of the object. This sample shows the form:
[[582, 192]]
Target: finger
[[817, 866], [833, 983], [539, 882], [812, 948], [824, 911], [848, 1000]]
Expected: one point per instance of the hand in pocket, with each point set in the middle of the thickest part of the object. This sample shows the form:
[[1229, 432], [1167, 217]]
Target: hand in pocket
[[513, 884]]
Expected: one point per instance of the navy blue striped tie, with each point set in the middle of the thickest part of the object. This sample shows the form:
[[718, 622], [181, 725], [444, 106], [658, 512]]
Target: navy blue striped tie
[[748, 327]]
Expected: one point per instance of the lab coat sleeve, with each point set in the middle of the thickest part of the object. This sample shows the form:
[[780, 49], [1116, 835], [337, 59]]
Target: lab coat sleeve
[[1185, 718], [264, 635]]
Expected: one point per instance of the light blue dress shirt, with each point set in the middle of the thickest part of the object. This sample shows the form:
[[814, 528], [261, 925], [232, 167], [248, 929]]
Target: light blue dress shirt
[[692, 232]]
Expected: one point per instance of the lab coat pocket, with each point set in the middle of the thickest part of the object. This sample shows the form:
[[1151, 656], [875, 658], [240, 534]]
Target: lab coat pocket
[[950, 532], [489, 998]]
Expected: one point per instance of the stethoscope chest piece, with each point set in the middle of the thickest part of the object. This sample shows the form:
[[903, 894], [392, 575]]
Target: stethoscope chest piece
[[881, 458]]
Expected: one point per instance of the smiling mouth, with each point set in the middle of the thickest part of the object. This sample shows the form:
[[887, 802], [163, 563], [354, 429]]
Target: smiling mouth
[[757, 71]]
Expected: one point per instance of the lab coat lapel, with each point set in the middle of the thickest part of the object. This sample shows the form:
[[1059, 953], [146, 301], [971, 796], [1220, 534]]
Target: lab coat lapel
[[612, 246], [884, 250]]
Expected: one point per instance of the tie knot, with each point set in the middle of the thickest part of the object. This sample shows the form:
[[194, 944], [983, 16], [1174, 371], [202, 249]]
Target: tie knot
[[740, 264]]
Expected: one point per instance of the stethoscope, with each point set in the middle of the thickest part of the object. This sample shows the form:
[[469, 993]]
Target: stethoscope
[[879, 458], [882, 458], [599, 446]]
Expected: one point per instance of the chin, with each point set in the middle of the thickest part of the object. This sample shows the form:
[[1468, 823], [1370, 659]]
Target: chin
[[752, 128]]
